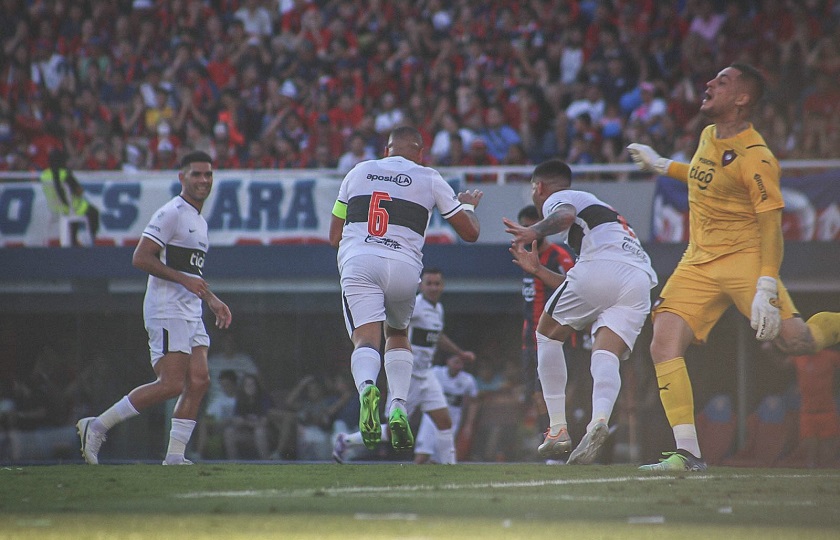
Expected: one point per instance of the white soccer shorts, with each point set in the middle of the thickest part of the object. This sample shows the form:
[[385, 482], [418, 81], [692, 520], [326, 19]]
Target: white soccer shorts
[[603, 293], [425, 393], [175, 335], [374, 289]]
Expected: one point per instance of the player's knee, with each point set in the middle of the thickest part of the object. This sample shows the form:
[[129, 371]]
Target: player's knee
[[172, 386], [199, 383]]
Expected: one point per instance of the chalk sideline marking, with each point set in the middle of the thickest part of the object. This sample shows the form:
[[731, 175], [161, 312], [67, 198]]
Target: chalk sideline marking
[[362, 490]]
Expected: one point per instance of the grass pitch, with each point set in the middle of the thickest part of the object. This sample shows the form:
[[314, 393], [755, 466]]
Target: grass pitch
[[233, 501]]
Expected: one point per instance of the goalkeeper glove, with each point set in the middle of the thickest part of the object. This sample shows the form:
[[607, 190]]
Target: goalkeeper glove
[[766, 319], [648, 160]]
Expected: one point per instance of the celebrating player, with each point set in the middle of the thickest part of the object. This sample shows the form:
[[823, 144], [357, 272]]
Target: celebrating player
[[172, 250], [609, 287], [425, 332], [733, 256], [378, 225]]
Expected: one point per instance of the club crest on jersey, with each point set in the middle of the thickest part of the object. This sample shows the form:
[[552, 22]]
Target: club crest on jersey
[[728, 157]]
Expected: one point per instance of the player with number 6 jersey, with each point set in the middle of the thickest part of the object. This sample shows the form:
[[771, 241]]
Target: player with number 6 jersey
[[378, 225]]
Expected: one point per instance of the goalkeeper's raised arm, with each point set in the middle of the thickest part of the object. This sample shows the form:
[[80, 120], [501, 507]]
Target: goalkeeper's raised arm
[[648, 160]]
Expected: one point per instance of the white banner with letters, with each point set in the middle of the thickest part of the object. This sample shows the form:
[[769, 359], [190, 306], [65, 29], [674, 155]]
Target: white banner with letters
[[245, 207]]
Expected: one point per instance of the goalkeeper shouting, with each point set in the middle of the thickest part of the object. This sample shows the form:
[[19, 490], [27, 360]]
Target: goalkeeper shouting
[[733, 256]]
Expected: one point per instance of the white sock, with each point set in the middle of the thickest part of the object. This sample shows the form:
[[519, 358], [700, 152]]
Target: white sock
[[179, 436], [364, 365], [398, 366], [551, 368], [685, 435], [606, 383], [355, 438], [118, 412], [445, 446]]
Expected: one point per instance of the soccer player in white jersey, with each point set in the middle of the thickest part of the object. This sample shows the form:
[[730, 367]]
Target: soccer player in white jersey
[[459, 389], [609, 287], [425, 333], [378, 225], [172, 251]]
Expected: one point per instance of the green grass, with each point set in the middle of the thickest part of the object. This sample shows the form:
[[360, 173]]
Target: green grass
[[233, 501]]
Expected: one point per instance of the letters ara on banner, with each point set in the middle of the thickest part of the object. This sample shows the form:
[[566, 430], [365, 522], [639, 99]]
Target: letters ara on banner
[[242, 209]]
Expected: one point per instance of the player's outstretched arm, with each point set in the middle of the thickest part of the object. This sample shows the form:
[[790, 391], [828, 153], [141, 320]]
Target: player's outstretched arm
[[529, 261], [556, 222], [465, 222], [648, 160]]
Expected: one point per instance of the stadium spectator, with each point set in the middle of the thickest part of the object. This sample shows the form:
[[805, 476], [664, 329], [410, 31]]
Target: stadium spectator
[[218, 412], [370, 50], [249, 425]]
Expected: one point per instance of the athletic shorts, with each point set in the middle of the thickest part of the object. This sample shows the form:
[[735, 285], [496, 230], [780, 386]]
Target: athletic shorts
[[175, 335], [824, 425], [425, 393], [603, 293], [374, 289], [700, 293]]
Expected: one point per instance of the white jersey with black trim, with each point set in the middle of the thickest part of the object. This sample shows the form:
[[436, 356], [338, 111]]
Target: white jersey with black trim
[[599, 232], [455, 389], [424, 329], [181, 231], [389, 203]]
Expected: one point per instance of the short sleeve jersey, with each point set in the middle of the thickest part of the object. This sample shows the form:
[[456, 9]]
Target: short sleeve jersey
[[457, 387], [424, 329], [389, 203], [602, 233], [558, 258], [729, 182], [181, 231]]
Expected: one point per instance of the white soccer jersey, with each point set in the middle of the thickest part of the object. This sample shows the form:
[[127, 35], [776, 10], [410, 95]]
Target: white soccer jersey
[[389, 203], [456, 389], [599, 232], [182, 232], [424, 328]]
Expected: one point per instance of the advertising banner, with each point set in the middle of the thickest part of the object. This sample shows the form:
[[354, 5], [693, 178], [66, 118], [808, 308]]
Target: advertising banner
[[812, 208], [244, 207]]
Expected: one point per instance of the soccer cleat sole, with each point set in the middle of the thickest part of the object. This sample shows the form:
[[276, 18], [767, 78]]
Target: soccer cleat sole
[[369, 424], [587, 450], [401, 436]]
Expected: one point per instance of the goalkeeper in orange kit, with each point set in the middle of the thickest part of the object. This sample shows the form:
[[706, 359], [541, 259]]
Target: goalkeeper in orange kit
[[733, 256]]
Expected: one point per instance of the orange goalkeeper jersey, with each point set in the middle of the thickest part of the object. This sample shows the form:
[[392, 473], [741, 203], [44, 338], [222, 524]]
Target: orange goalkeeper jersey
[[729, 182]]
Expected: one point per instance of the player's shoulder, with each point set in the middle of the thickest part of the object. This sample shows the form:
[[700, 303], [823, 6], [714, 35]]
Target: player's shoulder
[[755, 145]]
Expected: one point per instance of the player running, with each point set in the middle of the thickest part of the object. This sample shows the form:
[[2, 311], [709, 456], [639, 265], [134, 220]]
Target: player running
[[378, 225]]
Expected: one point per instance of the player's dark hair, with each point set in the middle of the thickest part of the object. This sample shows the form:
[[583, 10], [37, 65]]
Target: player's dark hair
[[196, 156], [528, 212], [407, 135], [228, 374], [431, 270], [554, 171], [753, 79]]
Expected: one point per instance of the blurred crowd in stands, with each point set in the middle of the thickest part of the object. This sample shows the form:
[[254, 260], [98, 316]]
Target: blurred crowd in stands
[[131, 84]]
